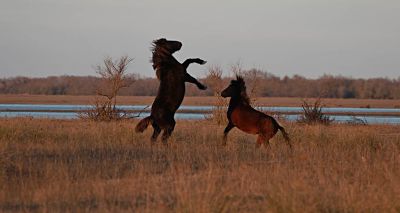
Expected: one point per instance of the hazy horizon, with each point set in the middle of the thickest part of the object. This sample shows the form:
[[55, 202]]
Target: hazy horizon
[[354, 38]]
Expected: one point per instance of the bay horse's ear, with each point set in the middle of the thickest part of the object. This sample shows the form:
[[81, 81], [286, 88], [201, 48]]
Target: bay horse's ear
[[240, 80]]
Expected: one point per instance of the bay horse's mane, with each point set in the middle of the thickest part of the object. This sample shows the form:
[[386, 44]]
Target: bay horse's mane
[[241, 89]]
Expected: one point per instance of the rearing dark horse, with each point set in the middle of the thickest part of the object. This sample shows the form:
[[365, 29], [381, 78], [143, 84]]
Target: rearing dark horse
[[172, 76]]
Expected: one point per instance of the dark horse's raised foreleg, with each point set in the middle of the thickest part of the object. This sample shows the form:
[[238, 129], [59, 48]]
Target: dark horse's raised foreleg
[[188, 77], [193, 60], [191, 79]]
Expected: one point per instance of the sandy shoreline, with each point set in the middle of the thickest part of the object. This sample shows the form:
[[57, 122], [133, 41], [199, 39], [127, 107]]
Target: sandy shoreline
[[195, 101]]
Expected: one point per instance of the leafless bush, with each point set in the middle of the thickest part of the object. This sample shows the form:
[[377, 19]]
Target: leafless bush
[[215, 82], [313, 113], [114, 78], [253, 78], [357, 121]]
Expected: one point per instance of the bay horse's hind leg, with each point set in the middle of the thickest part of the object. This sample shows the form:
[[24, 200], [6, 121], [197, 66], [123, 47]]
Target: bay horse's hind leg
[[156, 132], [262, 140], [168, 131]]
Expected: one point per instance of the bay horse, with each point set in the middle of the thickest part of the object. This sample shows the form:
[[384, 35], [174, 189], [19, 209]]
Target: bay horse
[[241, 115], [172, 76]]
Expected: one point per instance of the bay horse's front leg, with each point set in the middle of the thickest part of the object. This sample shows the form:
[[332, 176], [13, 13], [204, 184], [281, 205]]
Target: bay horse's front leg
[[190, 79], [193, 60], [226, 131]]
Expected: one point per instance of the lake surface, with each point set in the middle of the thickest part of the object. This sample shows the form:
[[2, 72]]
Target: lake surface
[[62, 107], [199, 112]]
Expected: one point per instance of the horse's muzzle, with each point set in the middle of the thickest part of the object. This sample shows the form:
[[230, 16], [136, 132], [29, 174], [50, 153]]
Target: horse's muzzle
[[224, 94]]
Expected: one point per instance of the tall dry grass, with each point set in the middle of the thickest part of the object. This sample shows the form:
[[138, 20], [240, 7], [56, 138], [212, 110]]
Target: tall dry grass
[[80, 166]]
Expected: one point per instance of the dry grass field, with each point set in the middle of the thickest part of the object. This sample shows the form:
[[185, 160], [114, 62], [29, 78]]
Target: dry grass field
[[80, 166], [147, 100]]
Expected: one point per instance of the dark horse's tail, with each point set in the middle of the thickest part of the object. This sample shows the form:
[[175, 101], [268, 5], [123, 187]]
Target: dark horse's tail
[[284, 134], [142, 125]]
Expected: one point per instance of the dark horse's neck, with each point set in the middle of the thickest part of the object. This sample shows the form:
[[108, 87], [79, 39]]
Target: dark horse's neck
[[160, 57]]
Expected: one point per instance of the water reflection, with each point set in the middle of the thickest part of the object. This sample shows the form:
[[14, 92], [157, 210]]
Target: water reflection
[[67, 112], [65, 107]]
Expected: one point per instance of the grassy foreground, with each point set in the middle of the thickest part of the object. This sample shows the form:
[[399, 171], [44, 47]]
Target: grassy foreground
[[79, 166]]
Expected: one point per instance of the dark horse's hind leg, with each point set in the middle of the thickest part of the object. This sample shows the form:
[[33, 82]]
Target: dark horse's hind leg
[[168, 131], [226, 131], [156, 132]]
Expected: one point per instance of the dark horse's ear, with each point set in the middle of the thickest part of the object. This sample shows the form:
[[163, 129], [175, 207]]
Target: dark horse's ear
[[159, 41]]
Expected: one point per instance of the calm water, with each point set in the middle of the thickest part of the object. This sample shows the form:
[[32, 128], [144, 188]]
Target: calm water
[[44, 107], [26, 110]]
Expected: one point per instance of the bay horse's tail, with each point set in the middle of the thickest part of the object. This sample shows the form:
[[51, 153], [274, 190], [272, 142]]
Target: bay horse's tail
[[284, 134], [142, 125]]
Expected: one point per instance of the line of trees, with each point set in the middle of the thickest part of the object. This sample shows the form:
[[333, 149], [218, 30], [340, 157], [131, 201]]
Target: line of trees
[[268, 85]]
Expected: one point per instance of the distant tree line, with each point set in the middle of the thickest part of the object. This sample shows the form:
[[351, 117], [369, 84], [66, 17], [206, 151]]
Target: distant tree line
[[264, 83]]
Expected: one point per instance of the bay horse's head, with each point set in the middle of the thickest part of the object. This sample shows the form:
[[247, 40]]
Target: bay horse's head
[[237, 89], [164, 46]]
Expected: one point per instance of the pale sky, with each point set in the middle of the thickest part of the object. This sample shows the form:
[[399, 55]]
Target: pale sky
[[353, 38]]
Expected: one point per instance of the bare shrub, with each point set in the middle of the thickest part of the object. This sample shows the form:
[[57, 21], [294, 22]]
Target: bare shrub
[[114, 78], [214, 81], [313, 113], [253, 78], [357, 121]]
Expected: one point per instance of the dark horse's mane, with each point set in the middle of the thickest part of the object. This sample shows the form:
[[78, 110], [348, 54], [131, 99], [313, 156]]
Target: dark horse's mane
[[241, 85], [160, 56]]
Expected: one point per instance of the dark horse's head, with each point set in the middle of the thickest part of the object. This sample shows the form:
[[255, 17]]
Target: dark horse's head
[[165, 46], [163, 50], [237, 89]]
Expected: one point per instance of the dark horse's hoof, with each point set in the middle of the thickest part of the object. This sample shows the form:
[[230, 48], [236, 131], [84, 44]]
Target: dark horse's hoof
[[203, 62], [202, 87]]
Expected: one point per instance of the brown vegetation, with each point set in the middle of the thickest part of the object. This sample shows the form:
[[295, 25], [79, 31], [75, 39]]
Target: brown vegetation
[[79, 166], [269, 86], [215, 82], [114, 79], [312, 113]]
